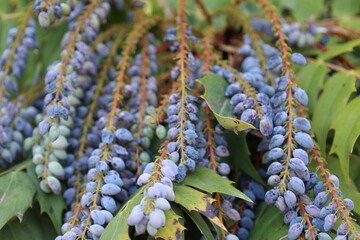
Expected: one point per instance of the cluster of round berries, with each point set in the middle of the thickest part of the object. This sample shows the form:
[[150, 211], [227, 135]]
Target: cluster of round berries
[[50, 11]]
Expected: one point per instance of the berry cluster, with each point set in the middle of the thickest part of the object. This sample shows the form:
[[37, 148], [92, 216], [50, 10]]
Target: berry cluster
[[50, 11], [98, 135], [65, 82], [15, 117]]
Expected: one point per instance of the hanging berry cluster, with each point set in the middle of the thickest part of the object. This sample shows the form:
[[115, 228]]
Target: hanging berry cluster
[[139, 110]]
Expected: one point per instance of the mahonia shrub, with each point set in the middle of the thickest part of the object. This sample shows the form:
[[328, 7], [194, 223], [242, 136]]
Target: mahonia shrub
[[201, 119]]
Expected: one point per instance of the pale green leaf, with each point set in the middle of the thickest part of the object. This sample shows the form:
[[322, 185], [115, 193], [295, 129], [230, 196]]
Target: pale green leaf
[[345, 8], [16, 195], [308, 9], [118, 229], [193, 200], [347, 130], [211, 182], [173, 228], [6, 7], [289, 4], [312, 78], [51, 204], [350, 22], [331, 102], [336, 50], [215, 87]]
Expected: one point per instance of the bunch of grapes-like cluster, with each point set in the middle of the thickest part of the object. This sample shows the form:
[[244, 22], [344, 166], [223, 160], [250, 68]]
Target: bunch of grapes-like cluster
[[123, 113]]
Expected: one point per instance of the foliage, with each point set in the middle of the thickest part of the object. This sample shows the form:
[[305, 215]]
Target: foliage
[[198, 119]]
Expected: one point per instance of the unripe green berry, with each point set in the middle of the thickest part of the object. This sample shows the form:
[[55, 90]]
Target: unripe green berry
[[67, 123], [145, 142], [38, 149], [60, 154], [65, 8], [59, 143], [37, 159], [148, 132], [56, 169], [17, 136], [74, 100], [53, 158], [64, 130], [161, 132], [39, 169], [54, 132], [38, 118], [144, 157], [28, 143]]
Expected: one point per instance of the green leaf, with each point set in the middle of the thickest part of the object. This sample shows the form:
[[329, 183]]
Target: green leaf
[[201, 224], [215, 87], [336, 50], [209, 181], [347, 130], [312, 78], [268, 219], [173, 228], [50, 42], [240, 156], [180, 212], [289, 4], [6, 7], [345, 8], [16, 195], [217, 230], [118, 228], [306, 9], [350, 22], [349, 190], [33, 227], [331, 102], [194, 200], [51, 204]]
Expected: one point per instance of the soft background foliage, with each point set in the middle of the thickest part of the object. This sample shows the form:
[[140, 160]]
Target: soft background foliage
[[334, 109]]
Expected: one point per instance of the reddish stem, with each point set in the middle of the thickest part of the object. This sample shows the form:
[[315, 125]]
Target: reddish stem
[[340, 205], [307, 219]]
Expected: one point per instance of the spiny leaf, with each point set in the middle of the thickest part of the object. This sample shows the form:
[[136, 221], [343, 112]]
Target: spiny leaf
[[347, 130], [118, 228], [215, 87], [33, 227], [51, 204], [209, 181], [312, 78], [339, 49], [173, 228], [16, 194], [194, 200], [268, 219], [333, 100]]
